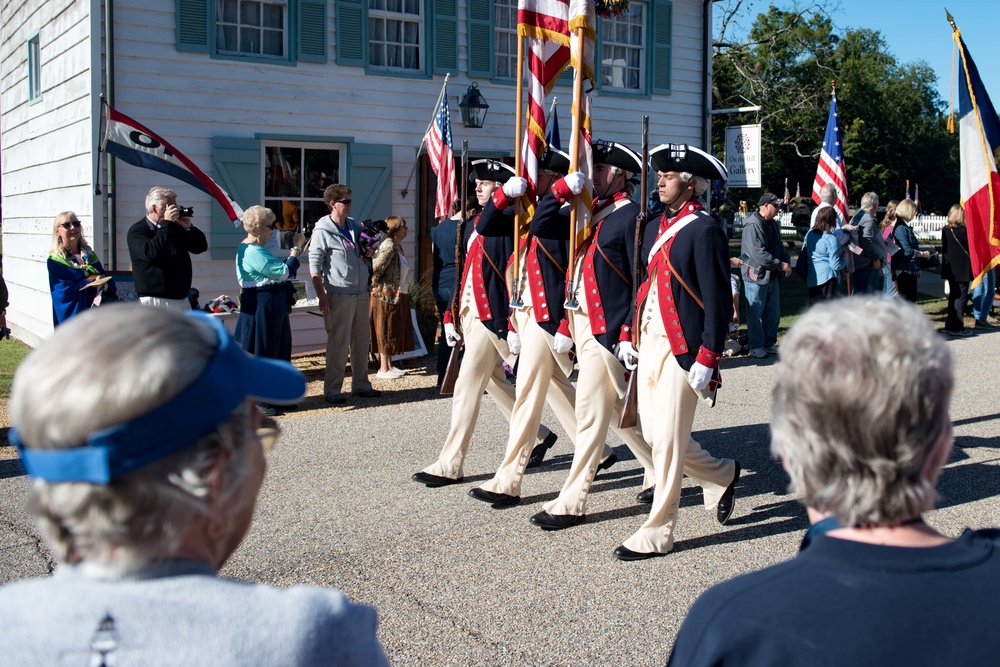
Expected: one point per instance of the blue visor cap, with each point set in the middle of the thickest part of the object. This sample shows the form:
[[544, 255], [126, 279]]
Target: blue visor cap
[[230, 377]]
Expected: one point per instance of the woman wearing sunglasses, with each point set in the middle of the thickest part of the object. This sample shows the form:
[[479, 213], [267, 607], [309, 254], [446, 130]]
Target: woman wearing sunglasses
[[145, 477], [76, 276]]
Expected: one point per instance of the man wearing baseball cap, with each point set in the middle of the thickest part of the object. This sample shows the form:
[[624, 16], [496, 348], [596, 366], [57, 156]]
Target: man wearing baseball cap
[[768, 261]]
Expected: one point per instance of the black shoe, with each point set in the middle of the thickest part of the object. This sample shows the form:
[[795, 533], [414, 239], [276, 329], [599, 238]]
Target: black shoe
[[622, 553], [540, 450], [267, 410], [726, 502], [335, 399], [646, 496], [547, 521], [497, 499], [367, 393], [434, 481], [608, 462]]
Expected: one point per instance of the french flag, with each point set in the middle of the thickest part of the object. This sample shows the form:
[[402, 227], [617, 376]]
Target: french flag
[[132, 142], [980, 190]]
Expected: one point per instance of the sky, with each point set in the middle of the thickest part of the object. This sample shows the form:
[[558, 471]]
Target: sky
[[918, 30]]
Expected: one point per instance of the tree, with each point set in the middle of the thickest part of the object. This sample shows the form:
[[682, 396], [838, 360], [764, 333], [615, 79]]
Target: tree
[[892, 119]]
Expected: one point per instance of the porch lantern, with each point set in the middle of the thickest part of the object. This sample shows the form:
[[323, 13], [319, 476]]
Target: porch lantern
[[473, 107]]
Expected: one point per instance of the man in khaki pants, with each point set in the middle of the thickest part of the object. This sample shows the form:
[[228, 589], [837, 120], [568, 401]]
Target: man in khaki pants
[[484, 309], [602, 273], [685, 306]]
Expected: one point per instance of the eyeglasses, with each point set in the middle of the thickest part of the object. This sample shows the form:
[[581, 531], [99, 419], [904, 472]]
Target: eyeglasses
[[268, 433], [345, 202], [72, 224]]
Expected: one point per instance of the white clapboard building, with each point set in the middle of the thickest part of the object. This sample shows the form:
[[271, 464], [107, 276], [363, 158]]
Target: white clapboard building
[[276, 98]]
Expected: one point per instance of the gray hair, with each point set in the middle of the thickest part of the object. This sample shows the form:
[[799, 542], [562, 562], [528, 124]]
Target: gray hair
[[158, 196], [868, 200], [256, 218], [137, 359], [860, 410], [700, 183], [828, 193]]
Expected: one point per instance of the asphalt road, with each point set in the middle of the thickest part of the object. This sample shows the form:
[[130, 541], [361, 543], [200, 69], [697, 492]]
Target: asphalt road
[[459, 583]]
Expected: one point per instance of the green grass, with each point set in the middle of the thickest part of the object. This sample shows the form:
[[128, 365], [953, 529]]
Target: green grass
[[12, 353]]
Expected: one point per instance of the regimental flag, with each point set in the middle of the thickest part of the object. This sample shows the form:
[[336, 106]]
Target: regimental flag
[[908, 191], [916, 197], [831, 167], [442, 158], [979, 139], [583, 27], [788, 195], [545, 25], [552, 135], [798, 191], [130, 141]]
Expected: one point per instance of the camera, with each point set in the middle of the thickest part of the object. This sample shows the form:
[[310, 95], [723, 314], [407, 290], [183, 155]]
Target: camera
[[373, 232], [185, 211]]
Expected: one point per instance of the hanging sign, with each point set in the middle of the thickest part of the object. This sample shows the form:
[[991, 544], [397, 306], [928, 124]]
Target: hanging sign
[[743, 156]]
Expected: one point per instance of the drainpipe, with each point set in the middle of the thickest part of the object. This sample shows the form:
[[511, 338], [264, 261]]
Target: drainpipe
[[706, 67], [109, 91]]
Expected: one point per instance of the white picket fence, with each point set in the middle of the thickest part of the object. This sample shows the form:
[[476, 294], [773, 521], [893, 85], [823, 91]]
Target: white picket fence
[[927, 227]]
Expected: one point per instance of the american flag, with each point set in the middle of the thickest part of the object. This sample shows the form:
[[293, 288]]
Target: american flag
[[582, 57], [545, 24], [831, 162], [788, 195], [442, 158]]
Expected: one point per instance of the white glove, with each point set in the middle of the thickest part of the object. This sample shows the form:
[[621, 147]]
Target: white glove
[[451, 335], [575, 182], [562, 344], [515, 187], [699, 376], [513, 342], [628, 355]]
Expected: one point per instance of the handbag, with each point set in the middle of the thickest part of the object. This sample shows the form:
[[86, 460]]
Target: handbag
[[802, 263]]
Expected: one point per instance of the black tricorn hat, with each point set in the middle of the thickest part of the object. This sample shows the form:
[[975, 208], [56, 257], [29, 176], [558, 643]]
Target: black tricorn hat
[[555, 160], [490, 170], [617, 155], [681, 157]]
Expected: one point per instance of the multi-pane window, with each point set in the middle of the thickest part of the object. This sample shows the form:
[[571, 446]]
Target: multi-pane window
[[34, 68], [623, 58], [505, 22], [395, 34], [252, 27], [294, 179]]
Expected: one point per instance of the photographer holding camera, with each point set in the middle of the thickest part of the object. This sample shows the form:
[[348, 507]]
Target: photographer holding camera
[[340, 267], [159, 246]]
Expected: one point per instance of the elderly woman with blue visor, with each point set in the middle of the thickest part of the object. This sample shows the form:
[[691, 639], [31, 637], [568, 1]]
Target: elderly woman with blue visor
[[145, 476]]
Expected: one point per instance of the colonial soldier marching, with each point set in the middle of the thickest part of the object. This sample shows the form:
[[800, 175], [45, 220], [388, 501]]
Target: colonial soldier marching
[[603, 277], [484, 308], [544, 362], [685, 306]]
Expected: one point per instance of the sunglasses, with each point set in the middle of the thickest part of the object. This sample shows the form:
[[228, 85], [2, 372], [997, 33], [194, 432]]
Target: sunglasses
[[345, 202], [268, 433], [72, 224]]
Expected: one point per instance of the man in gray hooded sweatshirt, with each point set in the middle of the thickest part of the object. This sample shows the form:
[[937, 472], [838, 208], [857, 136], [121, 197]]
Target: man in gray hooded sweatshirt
[[341, 275]]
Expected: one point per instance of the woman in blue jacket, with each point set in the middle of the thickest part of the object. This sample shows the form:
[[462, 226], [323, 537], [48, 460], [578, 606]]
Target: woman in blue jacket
[[826, 259], [76, 276], [906, 262]]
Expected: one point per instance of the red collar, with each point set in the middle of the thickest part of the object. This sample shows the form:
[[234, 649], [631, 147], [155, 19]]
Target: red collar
[[687, 209], [601, 204]]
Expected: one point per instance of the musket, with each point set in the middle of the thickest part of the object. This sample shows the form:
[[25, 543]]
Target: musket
[[455, 358], [630, 406]]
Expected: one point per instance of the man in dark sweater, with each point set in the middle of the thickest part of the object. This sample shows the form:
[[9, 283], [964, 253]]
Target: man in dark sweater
[[873, 584], [159, 246]]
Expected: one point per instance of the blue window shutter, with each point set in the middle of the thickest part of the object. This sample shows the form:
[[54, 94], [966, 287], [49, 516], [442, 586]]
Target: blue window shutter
[[236, 168], [352, 28], [192, 25], [481, 50], [444, 14], [312, 31], [661, 45], [371, 181]]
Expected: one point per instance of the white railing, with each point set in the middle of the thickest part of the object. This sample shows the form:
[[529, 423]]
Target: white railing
[[926, 227]]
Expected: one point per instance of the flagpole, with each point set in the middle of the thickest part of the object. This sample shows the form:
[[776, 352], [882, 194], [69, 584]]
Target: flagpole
[[548, 117], [574, 149], [423, 139], [515, 292]]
